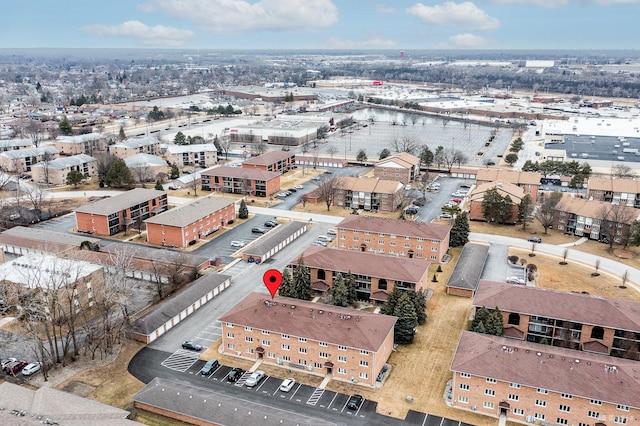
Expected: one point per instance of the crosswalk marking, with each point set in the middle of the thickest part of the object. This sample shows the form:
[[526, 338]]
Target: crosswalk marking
[[315, 396], [181, 360]]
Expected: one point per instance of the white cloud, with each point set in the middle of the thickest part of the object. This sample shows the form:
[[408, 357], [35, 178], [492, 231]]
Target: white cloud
[[462, 15], [381, 8], [560, 3], [370, 42], [467, 40], [158, 35], [228, 16]]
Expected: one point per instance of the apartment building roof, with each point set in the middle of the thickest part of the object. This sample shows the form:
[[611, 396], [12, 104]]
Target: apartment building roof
[[401, 160], [120, 202], [597, 209], [192, 212], [11, 143], [30, 152], [516, 177], [66, 162], [137, 142], [80, 138], [198, 147], [560, 370], [363, 263], [274, 238], [597, 183], [268, 158], [43, 240], [241, 173], [45, 271], [466, 274], [405, 228], [575, 307], [504, 188], [319, 322], [371, 185], [144, 160]]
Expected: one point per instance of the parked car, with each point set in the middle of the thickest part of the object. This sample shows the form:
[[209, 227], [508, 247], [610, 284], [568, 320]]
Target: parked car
[[31, 369], [355, 402], [324, 238], [515, 280], [208, 368], [271, 224], [15, 367], [332, 232], [320, 243], [287, 384], [255, 378], [234, 375], [446, 216], [411, 210], [292, 190], [298, 187], [258, 230], [456, 200], [535, 240], [237, 244], [7, 361], [191, 345]]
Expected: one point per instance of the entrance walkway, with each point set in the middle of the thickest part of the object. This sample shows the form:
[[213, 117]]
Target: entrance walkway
[[255, 365], [325, 381], [580, 241]]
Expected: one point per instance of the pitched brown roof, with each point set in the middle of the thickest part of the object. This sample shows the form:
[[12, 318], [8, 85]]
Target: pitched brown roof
[[561, 370], [373, 185], [516, 177], [597, 183], [504, 188], [597, 209], [268, 158], [404, 159], [322, 323], [363, 263], [192, 212], [238, 172], [582, 308], [121, 201], [404, 228]]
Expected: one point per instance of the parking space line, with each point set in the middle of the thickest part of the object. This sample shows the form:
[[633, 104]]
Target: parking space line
[[425, 419], [345, 405], [360, 407], [262, 384], [294, 394], [333, 399]]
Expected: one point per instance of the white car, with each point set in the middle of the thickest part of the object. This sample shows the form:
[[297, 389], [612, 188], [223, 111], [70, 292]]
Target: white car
[[30, 369], [287, 384], [515, 280], [237, 244], [298, 187], [255, 378]]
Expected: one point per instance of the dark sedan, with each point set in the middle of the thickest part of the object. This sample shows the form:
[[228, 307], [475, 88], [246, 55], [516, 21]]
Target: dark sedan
[[192, 346], [234, 375]]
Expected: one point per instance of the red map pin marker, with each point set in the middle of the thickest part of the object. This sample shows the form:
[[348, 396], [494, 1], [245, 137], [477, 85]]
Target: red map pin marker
[[272, 279]]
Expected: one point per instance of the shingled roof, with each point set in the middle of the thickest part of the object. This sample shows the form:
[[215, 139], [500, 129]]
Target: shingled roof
[[405, 228]]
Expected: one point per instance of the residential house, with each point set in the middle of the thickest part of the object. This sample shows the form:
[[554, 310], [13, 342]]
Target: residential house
[[623, 191], [370, 194], [420, 240], [402, 167], [236, 180], [118, 213], [476, 197], [204, 154], [528, 181], [529, 383], [351, 345], [272, 161], [132, 146], [187, 224], [55, 172], [81, 144], [376, 276], [22, 160]]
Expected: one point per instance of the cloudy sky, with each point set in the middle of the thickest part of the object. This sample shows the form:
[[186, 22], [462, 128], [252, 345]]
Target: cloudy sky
[[322, 24]]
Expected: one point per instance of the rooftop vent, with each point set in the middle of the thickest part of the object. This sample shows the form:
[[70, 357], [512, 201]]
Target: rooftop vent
[[539, 353]]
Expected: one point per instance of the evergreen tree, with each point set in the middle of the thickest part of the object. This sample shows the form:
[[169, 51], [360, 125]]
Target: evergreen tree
[[419, 299], [350, 281], [286, 287], [180, 139], [74, 177], [65, 126], [340, 291], [121, 134], [481, 317], [525, 209], [159, 186], [390, 304], [362, 156], [175, 172], [243, 211], [495, 324], [407, 320], [384, 154], [460, 231], [119, 175], [301, 281]]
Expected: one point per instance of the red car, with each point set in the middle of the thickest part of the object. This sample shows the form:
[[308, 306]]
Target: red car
[[456, 200], [15, 367]]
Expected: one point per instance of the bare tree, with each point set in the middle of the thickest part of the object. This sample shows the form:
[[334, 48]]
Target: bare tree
[[621, 170], [35, 131], [194, 183], [143, 173], [38, 197], [332, 150], [259, 148], [409, 144], [546, 211], [615, 222], [118, 283], [327, 188]]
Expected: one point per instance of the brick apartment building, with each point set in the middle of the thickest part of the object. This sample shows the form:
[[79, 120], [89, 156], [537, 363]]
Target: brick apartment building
[[204, 154], [368, 194], [376, 276], [236, 180], [529, 383], [594, 219], [272, 161], [147, 167], [22, 160], [55, 172], [614, 190], [528, 181], [476, 197], [185, 225], [15, 144], [402, 167], [129, 147], [81, 144], [575, 321], [394, 237], [320, 339], [118, 213]]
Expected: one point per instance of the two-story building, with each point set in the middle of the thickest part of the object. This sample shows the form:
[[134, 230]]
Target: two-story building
[[476, 197], [185, 225], [528, 181], [55, 172], [419, 240], [370, 194], [272, 161], [623, 191], [402, 167], [132, 146], [319, 339], [376, 276], [22, 160], [118, 213], [203, 154], [237, 180]]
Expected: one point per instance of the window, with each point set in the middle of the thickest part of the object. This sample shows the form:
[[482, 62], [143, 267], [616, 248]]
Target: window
[[286, 358], [465, 375], [323, 344], [363, 375], [302, 361], [542, 391], [490, 392], [342, 348], [566, 396], [249, 350], [342, 370], [364, 363], [622, 407], [265, 332], [302, 340], [487, 405], [597, 333], [266, 343], [541, 403], [248, 329], [271, 355], [285, 347], [562, 421], [231, 346], [593, 414], [285, 336], [342, 359], [513, 397], [248, 339], [620, 420], [230, 335], [463, 399], [514, 385], [323, 355], [538, 416], [596, 402], [317, 365], [364, 352], [564, 408], [514, 319], [381, 242], [518, 411], [491, 380], [302, 350], [464, 386], [229, 325]]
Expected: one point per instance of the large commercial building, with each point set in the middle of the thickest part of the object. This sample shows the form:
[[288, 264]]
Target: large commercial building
[[320, 339]]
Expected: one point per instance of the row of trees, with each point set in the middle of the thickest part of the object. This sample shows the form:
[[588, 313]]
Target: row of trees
[[488, 321]]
